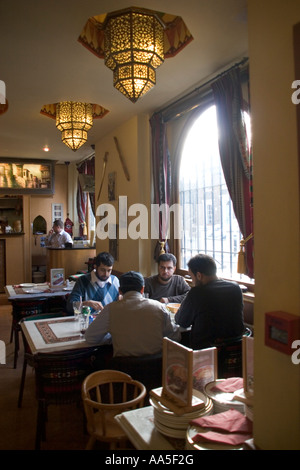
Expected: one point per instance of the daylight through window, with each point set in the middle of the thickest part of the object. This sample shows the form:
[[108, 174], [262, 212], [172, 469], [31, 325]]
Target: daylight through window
[[208, 221]]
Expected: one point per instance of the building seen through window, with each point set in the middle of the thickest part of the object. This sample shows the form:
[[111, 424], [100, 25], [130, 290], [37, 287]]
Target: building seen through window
[[208, 221]]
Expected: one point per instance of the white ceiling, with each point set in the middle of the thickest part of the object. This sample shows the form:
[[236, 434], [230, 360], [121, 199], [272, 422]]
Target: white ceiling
[[42, 62]]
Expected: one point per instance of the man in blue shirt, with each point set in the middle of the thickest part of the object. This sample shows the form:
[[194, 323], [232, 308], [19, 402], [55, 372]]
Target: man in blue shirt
[[97, 288]]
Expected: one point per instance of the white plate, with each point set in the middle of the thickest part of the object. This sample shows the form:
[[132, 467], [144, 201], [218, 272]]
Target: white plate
[[170, 432], [190, 444], [68, 288], [218, 395], [27, 285], [35, 291], [222, 401]]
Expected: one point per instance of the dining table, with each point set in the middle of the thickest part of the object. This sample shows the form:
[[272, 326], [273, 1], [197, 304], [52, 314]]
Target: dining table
[[28, 291], [53, 334]]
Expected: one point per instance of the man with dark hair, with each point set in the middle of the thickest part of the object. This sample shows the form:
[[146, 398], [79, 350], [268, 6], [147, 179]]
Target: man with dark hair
[[166, 286], [137, 325], [213, 307], [57, 236], [97, 288]]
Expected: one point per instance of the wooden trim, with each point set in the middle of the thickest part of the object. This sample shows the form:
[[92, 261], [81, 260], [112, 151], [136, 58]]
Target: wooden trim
[[296, 40]]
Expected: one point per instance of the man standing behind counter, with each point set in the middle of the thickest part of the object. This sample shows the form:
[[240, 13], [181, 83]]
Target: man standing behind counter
[[57, 237], [166, 286], [97, 288], [213, 307]]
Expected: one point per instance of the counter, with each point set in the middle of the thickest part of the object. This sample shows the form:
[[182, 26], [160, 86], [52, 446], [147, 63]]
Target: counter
[[71, 259], [11, 234]]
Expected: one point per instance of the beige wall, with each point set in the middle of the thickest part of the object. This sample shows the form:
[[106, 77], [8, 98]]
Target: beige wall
[[276, 215], [133, 138]]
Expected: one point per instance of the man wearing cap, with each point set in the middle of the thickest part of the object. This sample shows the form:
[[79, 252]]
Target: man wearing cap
[[137, 325]]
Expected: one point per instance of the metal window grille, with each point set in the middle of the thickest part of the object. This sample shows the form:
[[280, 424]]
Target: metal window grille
[[207, 218]]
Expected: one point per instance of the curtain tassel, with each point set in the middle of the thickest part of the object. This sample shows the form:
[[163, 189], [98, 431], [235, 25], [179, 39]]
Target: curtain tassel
[[241, 264], [162, 247]]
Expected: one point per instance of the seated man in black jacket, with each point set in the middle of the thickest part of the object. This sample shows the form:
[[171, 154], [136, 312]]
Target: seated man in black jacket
[[213, 307]]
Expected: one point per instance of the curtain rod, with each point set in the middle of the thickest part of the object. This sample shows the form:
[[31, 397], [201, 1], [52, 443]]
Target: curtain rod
[[208, 82]]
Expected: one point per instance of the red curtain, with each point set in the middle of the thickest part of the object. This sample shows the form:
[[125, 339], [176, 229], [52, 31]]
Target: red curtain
[[161, 166], [88, 168], [236, 154]]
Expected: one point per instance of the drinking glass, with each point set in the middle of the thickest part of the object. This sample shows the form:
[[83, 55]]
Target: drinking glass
[[83, 324], [77, 307]]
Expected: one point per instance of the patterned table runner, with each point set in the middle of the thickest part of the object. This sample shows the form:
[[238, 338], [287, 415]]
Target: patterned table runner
[[48, 334]]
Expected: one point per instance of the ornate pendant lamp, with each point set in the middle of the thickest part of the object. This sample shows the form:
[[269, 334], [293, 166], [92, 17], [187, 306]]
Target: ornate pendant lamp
[[133, 48], [74, 119], [133, 42]]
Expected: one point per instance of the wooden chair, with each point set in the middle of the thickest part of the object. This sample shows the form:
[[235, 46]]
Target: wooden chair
[[105, 394], [59, 377]]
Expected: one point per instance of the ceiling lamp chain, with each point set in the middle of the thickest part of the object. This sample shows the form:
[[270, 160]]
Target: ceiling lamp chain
[[133, 49], [74, 119]]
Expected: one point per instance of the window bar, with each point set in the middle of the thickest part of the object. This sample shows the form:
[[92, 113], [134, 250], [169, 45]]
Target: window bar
[[204, 211], [191, 220], [213, 206], [182, 241], [198, 220]]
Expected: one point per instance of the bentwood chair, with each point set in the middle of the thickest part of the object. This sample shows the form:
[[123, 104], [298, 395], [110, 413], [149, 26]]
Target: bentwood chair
[[105, 394], [59, 377]]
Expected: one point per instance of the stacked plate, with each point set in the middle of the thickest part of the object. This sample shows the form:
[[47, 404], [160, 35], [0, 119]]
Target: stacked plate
[[222, 401], [249, 412], [172, 425]]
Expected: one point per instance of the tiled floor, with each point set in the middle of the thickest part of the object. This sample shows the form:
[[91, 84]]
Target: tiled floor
[[65, 428]]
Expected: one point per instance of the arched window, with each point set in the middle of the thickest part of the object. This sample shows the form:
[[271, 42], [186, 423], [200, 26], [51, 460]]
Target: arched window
[[208, 221]]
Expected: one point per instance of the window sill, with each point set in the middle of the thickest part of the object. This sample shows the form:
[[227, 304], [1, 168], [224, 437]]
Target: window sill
[[250, 285]]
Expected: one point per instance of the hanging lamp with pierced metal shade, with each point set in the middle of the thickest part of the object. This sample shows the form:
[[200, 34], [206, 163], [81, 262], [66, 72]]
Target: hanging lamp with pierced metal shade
[[134, 42], [133, 48], [74, 119]]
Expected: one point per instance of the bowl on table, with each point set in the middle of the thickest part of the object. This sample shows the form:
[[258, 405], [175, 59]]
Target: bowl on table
[[173, 307]]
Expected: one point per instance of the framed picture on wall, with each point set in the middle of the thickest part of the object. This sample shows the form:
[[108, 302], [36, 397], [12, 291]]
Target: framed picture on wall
[[57, 212], [24, 176], [57, 277]]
